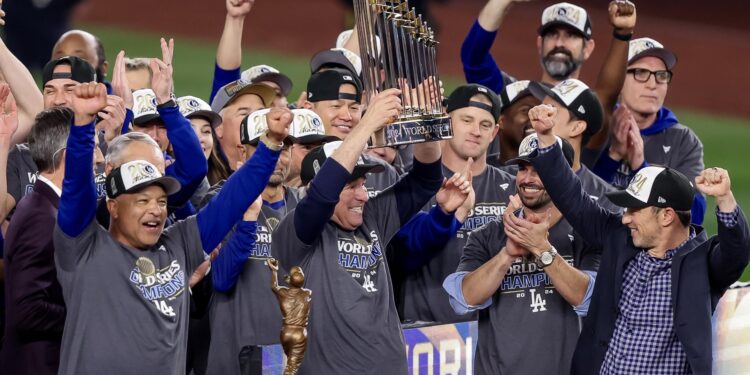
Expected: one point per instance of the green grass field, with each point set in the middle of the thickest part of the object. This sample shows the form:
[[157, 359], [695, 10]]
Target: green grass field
[[722, 137]]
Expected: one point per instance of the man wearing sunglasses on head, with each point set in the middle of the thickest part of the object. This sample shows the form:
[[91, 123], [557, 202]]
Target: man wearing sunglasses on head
[[643, 130]]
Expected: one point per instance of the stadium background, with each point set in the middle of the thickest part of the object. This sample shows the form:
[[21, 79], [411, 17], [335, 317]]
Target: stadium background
[[709, 92]]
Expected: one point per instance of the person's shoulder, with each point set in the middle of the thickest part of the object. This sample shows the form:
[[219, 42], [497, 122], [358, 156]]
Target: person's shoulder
[[499, 174], [682, 131]]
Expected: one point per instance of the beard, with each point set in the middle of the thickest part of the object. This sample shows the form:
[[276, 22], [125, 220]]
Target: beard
[[534, 203], [561, 69], [277, 178]]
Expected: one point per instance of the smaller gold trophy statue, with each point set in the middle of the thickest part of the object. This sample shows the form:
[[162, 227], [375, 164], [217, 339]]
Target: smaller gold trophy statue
[[294, 301]]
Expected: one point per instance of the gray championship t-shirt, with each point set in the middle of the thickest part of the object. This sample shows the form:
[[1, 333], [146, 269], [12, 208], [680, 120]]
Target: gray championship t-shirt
[[529, 328], [421, 295], [249, 313], [21, 172], [676, 147], [354, 327], [127, 309]]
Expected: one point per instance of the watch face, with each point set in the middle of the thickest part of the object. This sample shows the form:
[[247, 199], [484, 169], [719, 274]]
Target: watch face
[[546, 258]]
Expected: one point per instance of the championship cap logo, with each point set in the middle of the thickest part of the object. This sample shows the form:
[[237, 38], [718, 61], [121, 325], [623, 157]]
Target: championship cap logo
[[642, 44]]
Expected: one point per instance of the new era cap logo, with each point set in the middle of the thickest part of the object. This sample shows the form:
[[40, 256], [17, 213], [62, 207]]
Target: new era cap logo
[[666, 148], [348, 78], [661, 200], [482, 89], [581, 109]]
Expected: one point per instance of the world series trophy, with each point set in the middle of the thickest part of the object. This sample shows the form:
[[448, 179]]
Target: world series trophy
[[398, 50]]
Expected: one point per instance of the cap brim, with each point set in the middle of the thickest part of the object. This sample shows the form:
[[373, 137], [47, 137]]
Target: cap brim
[[168, 183], [314, 138], [669, 58], [361, 170], [522, 94], [540, 91], [518, 160], [280, 79], [623, 199], [140, 120], [549, 25], [213, 118]]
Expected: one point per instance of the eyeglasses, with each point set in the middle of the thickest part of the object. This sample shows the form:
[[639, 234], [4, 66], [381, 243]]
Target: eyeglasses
[[643, 75]]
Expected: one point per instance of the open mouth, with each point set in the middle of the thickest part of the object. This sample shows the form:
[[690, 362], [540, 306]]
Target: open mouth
[[152, 225]]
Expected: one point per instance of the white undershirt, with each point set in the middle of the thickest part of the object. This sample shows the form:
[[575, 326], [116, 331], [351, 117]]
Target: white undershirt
[[52, 185]]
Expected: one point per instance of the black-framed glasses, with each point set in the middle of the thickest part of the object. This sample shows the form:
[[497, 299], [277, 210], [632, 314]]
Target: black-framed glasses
[[643, 75]]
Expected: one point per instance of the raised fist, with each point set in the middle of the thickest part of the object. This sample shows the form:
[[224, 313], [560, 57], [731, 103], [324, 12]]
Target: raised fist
[[88, 99], [278, 120], [622, 15], [239, 8], [542, 118], [714, 182]]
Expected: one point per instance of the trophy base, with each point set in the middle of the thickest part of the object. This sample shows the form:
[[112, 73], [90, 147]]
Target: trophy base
[[413, 130]]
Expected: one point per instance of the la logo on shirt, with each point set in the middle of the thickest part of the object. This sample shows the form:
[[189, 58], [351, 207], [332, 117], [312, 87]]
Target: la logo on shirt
[[361, 258]]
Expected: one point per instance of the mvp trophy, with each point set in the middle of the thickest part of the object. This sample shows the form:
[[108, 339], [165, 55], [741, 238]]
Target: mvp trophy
[[398, 50]]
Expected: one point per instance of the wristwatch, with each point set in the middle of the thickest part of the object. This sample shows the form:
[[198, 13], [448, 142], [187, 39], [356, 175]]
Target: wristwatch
[[547, 257]]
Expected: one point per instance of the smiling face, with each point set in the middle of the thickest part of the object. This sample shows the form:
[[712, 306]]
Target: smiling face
[[229, 130], [137, 219], [473, 130], [515, 120], [644, 226], [530, 189], [339, 116], [644, 97], [350, 208], [58, 92]]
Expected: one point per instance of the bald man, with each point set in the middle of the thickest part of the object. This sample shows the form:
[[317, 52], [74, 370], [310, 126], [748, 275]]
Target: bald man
[[87, 46]]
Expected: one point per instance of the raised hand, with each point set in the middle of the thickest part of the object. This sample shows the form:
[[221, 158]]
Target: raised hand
[[622, 15], [273, 264], [88, 99], [384, 109], [635, 147], [120, 84], [715, 182], [513, 249], [239, 8], [278, 120], [202, 270], [530, 234], [621, 119], [161, 81], [542, 118], [113, 115], [455, 190], [8, 120]]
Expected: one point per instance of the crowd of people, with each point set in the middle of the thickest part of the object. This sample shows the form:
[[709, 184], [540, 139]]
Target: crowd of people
[[144, 226]]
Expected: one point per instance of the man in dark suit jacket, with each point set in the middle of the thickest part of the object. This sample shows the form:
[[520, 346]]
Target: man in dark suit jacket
[[33, 296], [659, 278]]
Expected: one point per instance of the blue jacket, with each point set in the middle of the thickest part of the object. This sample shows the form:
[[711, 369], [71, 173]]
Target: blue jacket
[[701, 271]]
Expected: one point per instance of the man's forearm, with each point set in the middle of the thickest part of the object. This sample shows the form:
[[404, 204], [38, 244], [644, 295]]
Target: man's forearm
[[5, 143], [350, 150], [570, 282], [483, 282], [78, 200], [491, 16], [189, 167], [608, 87], [28, 97], [229, 52]]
